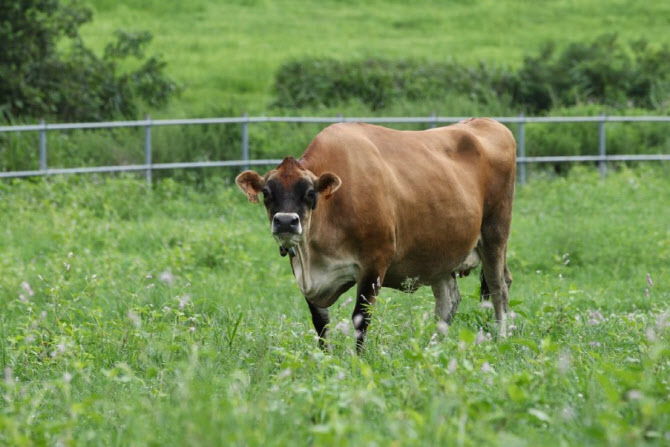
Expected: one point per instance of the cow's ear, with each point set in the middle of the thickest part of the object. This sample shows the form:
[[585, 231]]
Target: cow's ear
[[251, 184], [327, 184]]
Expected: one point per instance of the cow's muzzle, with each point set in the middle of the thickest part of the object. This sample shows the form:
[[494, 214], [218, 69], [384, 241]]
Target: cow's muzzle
[[286, 223], [286, 229]]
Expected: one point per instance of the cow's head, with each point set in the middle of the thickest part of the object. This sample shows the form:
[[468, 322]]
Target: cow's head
[[290, 194]]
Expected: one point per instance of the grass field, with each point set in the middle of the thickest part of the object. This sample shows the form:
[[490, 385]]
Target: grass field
[[225, 53], [166, 317]]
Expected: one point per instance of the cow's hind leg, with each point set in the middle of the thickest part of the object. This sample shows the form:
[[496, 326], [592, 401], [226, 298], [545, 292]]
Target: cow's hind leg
[[495, 278], [484, 292], [320, 318], [447, 299]]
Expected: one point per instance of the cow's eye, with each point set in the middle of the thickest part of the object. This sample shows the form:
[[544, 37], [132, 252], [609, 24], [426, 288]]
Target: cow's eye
[[310, 198], [266, 194]]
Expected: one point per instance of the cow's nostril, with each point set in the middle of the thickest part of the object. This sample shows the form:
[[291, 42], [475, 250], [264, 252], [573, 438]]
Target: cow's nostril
[[286, 223]]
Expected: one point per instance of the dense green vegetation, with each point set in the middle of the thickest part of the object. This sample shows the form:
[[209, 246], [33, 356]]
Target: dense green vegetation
[[226, 54], [47, 71], [268, 58], [604, 71], [166, 317]]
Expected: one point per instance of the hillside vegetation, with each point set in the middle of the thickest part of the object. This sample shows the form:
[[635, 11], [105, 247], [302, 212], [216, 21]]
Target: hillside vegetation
[[225, 54]]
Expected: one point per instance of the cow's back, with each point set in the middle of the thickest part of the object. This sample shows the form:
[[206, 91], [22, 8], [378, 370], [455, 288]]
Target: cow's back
[[412, 195]]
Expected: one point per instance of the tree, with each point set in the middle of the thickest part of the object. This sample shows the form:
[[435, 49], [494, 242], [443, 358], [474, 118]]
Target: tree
[[41, 77]]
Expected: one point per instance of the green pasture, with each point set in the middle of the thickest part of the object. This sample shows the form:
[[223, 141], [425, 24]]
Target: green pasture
[[165, 316], [225, 54]]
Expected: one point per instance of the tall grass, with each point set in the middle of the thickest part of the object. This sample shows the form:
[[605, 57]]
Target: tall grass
[[165, 316]]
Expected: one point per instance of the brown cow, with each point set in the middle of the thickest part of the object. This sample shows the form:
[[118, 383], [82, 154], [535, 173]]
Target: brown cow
[[372, 207]]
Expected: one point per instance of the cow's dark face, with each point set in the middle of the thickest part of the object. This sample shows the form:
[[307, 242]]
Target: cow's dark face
[[290, 194]]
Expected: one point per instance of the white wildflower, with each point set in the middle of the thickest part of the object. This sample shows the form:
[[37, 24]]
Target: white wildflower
[[634, 395], [347, 301], [27, 289], [568, 413], [183, 301], [651, 335], [134, 319], [167, 277], [564, 362], [342, 326], [451, 367], [481, 338]]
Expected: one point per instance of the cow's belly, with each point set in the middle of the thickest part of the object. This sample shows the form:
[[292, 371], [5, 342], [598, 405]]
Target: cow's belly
[[323, 282], [431, 266]]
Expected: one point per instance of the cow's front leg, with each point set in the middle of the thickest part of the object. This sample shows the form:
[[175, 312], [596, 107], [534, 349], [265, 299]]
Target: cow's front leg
[[320, 318], [366, 295]]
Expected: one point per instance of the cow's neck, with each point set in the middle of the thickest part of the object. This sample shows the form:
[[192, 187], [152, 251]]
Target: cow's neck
[[301, 261], [321, 275]]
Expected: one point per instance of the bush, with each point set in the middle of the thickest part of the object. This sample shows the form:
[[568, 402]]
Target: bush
[[379, 83], [605, 71], [41, 77]]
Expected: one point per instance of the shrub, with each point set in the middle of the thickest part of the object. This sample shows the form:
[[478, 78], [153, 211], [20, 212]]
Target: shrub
[[41, 77], [379, 83], [605, 71]]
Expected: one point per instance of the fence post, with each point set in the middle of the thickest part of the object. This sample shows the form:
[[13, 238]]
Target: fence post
[[147, 149], [601, 146], [522, 150], [433, 120], [245, 141], [43, 145]]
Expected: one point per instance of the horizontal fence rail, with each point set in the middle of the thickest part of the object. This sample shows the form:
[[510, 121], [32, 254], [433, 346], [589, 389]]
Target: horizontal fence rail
[[244, 121]]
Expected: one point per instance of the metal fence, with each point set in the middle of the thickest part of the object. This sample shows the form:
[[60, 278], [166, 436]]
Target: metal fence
[[244, 121]]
